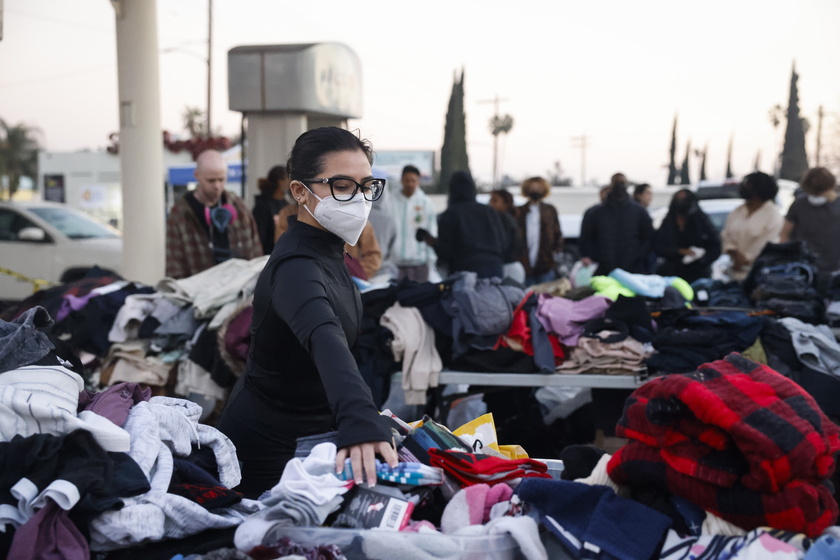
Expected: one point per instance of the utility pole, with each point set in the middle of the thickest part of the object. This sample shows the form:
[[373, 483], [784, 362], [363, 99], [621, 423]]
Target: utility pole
[[141, 156], [820, 115], [496, 119], [581, 142], [209, 66]]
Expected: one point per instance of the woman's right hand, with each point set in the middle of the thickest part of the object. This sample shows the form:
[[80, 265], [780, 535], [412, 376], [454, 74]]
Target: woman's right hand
[[363, 459]]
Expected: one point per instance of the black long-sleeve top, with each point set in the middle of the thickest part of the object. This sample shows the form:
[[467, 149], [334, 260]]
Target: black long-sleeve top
[[265, 208], [697, 232], [307, 312]]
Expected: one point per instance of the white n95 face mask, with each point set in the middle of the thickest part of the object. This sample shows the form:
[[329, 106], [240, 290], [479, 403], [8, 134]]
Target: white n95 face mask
[[346, 219]]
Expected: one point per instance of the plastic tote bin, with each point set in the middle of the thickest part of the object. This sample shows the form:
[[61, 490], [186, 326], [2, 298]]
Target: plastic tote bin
[[555, 467], [380, 544]]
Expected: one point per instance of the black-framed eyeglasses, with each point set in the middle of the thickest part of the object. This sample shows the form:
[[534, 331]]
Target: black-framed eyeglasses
[[343, 189]]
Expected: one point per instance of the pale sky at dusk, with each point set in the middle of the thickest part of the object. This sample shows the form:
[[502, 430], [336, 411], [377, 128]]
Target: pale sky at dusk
[[616, 71]]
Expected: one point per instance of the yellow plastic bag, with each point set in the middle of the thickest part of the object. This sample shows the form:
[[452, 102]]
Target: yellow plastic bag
[[479, 433], [513, 451]]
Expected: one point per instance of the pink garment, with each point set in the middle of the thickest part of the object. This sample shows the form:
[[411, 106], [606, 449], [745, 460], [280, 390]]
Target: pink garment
[[49, 535], [115, 402], [471, 506], [565, 318]]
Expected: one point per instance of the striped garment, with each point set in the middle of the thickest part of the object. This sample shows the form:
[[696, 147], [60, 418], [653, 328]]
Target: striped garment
[[737, 439], [43, 400]]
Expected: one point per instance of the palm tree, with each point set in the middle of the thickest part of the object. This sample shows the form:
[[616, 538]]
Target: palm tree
[[498, 125], [18, 153], [194, 122]]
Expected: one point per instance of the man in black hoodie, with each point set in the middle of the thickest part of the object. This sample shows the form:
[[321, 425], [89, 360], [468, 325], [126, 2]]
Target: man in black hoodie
[[471, 236], [617, 233]]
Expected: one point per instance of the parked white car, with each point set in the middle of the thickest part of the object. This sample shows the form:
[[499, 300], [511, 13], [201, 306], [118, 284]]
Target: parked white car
[[53, 242]]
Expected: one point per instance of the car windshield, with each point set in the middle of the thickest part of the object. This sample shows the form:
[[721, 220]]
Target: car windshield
[[727, 190], [74, 225]]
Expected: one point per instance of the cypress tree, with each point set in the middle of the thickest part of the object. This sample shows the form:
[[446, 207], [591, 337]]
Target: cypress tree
[[794, 158], [684, 176], [703, 163], [729, 173], [672, 166], [453, 153]]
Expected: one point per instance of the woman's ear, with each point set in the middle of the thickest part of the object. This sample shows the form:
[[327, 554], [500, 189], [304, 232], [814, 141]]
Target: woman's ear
[[298, 191]]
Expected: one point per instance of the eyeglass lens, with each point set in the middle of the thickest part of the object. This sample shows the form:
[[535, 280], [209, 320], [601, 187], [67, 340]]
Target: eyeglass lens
[[344, 189]]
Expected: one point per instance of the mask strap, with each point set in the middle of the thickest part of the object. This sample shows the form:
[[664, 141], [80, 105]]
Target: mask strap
[[313, 194]]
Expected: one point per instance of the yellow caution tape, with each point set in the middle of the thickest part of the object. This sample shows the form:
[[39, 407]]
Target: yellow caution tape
[[37, 283]]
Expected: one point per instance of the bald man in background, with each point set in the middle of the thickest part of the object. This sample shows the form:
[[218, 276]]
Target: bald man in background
[[209, 225]]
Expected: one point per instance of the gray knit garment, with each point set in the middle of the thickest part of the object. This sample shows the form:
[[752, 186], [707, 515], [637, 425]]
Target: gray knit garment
[[21, 343]]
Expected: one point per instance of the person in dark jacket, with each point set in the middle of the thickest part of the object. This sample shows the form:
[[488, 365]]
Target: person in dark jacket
[[687, 241], [471, 236], [301, 378], [272, 198], [617, 233], [539, 225], [502, 202]]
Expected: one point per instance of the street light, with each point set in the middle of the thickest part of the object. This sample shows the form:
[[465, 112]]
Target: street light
[[206, 59]]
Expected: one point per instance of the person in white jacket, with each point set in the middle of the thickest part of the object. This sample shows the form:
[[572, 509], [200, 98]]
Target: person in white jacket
[[412, 210]]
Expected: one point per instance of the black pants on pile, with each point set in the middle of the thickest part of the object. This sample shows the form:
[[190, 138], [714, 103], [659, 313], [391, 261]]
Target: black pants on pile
[[265, 436]]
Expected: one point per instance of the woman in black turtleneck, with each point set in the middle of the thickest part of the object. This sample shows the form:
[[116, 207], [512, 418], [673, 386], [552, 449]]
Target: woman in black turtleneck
[[301, 378]]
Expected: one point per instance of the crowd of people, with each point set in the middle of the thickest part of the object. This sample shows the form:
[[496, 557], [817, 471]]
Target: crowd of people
[[324, 218], [276, 328]]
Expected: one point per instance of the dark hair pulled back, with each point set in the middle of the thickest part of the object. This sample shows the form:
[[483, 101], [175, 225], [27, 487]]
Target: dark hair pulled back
[[306, 160], [763, 185]]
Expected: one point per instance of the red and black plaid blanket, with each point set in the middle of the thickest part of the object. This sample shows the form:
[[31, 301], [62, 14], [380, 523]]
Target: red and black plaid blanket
[[737, 439]]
